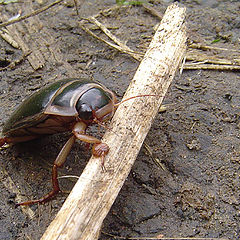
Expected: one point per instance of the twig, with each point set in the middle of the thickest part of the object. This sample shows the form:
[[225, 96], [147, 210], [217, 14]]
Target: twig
[[123, 46], [107, 42], [205, 47], [155, 160], [210, 67], [192, 56], [76, 7], [68, 176], [182, 65], [8, 38], [152, 11], [30, 14], [119, 45], [218, 64]]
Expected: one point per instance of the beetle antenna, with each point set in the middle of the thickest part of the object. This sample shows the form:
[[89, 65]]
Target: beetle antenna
[[115, 105], [100, 123], [145, 95]]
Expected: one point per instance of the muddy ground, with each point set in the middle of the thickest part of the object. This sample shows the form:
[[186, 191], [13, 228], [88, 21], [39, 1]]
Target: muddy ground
[[194, 192]]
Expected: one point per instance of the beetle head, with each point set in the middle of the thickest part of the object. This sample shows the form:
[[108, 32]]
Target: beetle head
[[96, 105]]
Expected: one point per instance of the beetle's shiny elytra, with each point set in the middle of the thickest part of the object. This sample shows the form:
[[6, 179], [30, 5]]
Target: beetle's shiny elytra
[[66, 105]]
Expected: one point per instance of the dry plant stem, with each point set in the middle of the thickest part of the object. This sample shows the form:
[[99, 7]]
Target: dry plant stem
[[8, 38], [87, 30], [210, 67], [205, 47], [89, 202], [76, 7], [119, 45], [152, 11], [123, 46], [150, 153], [120, 49], [29, 15], [199, 57]]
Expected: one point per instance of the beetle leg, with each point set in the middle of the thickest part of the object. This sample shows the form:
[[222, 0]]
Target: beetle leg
[[99, 149], [10, 140], [60, 160]]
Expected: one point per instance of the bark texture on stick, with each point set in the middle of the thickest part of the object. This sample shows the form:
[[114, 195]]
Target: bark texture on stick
[[86, 207]]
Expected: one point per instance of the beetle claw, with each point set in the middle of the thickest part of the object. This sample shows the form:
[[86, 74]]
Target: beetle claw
[[100, 150], [102, 163]]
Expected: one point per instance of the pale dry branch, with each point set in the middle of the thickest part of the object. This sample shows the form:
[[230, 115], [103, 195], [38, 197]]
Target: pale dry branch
[[119, 45], [120, 49], [206, 47], [211, 67], [152, 11], [123, 46]]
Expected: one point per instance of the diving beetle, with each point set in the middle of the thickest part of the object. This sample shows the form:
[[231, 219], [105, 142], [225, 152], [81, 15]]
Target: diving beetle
[[66, 105]]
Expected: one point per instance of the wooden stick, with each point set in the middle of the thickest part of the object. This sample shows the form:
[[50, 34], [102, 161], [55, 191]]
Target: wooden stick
[[89, 202]]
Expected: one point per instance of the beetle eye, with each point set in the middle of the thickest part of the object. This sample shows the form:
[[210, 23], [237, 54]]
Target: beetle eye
[[85, 112]]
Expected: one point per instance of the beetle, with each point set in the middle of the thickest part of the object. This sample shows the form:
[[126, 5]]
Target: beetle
[[66, 105]]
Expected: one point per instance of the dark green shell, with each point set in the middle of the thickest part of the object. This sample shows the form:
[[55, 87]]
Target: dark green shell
[[58, 98]]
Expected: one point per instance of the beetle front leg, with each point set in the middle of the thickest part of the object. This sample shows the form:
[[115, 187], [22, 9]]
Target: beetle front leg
[[60, 160], [99, 148]]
